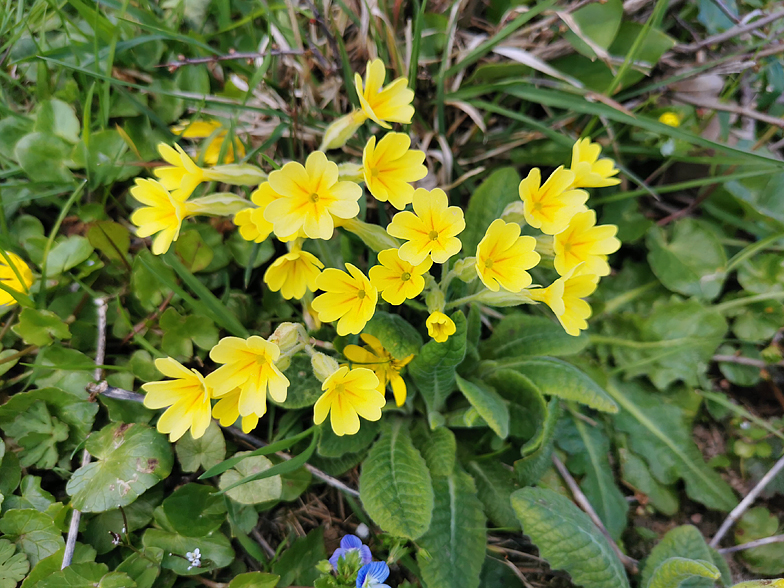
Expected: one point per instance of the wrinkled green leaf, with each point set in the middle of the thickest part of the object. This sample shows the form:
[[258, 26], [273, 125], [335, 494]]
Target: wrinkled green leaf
[[519, 334], [254, 492], [487, 403], [40, 327]]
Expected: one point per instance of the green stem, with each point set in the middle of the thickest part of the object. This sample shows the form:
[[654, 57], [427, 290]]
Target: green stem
[[463, 300], [730, 304]]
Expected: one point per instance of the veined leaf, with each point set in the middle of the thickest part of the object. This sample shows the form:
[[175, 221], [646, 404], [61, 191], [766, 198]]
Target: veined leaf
[[395, 486], [396, 334], [537, 453], [672, 572], [455, 542], [439, 448], [684, 542], [568, 539], [487, 403], [494, 487], [519, 334]]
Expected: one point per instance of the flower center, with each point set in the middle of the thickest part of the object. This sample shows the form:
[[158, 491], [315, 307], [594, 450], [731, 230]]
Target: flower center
[[433, 235], [361, 294], [261, 359], [488, 263], [405, 276], [374, 172], [314, 197]]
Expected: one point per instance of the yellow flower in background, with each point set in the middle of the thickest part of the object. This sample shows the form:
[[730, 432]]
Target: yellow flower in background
[[590, 171], [15, 274], [250, 221], [182, 175], [390, 166], [582, 242], [348, 395], [349, 297], [310, 196], [187, 395], [249, 364], [440, 327], [671, 119], [551, 206], [227, 411], [502, 257], [431, 230], [384, 105], [565, 299], [398, 280], [204, 129], [387, 369], [163, 213], [293, 273]]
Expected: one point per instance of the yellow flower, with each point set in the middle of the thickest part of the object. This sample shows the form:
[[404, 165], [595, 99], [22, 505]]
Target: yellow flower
[[398, 280], [250, 221], [249, 364], [163, 214], [392, 103], [565, 299], [227, 411], [440, 327], [551, 206], [387, 368], [671, 119], [205, 129], [182, 175], [187, 395], [589, 170], [18, 281], [350, 298], [502, 257], [390, 166], [584, 243], [310, 196], [431, 229], [348, 395], [293, 273]]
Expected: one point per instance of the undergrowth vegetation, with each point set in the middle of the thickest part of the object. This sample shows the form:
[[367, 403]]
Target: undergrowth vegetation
[[372, 294]]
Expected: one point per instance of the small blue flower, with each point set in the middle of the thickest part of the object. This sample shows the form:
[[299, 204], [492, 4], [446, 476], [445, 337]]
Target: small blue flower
[[372, 575], [348, 544]]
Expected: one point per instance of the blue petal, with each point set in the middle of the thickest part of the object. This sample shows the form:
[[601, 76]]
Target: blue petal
[[351, 542], [373, 575], [365, 557], [339, 552]]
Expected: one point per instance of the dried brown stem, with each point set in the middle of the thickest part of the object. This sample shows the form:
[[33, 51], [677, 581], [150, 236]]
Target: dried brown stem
[[731, 33], [753, 544], [173, 66]]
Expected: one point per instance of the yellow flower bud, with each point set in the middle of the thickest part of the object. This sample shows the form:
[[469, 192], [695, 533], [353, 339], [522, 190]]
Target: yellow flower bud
[[350, 172], [236, 174], [218, 204], [373, 236], [323, 366], [465, 269], [341, 130], [435, 300], [286, 336]]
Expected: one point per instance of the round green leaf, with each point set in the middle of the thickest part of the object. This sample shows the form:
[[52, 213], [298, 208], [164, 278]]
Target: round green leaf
[[254, 492], [42, 157]]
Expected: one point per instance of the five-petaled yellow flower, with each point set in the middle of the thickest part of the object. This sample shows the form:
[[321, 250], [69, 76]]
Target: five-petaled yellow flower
[[398, 280], [293, 273], [431, 229], [348, 395], [384, 105], [551, 206], [349, 297], [502, 257], [18, 281], [227, 411], [163, 213], [204, 129], [250, 221], [440, 327], [187, 395], [565, 299], [589, 170], [309, 196], [584, 243], [390, 166], [249, 364], [387, 369], [182, 175]]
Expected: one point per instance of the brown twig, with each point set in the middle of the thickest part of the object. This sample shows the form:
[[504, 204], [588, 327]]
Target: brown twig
[[629, 562], [740, 360], [732, 108], [753, 544], [173, 66], [137, 328], [18, 354], [263, 542], [729, 34]]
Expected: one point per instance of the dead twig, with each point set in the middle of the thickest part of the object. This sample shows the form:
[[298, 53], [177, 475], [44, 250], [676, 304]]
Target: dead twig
[[629, 562], [733, 108], [740, 360], [738, 511], [753, 544], [729, 34], [173, 66]]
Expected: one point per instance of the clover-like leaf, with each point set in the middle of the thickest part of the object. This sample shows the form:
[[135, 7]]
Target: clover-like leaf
[[35, 533], [40, 327], [37, 432], [13, 568]]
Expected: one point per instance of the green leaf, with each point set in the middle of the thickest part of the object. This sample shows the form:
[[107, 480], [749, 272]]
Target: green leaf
[[439, 449], [762, 274], [80, 575], [598, 22], [589, 448], [143, 567], [193, 251], [635, 473], [538, 452], [56, 117], [658, 432], [52, 563], [110, 238], [554, 377], [38, 434], [254, 492], [40, 327], [672, 572], [433, 370], [254, 580], [298, 562], [13, 568], [205, 452], [454, 545], [195, 510], [527, 408], [73, 409], [757, 523], [135, 516], [494, 488], [685, 542], [568, 539], [43, 156], [304, 388], [216, 551], [67, 254], [10, 473], [691, 261], [130, 459], [330, 445], [487, 203], [34, 533], [149, 280], [487, 403], [394, 485], [761, 584], [33, 496], [180, 333], [519, 334], [396, 334]]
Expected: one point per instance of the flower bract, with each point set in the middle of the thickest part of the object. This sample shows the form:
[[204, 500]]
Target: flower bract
[[348, 395], [349, 297], [398, 280], [15, 274], [390, 166], [163, 213], [502, 257], [293, 273], [388, 104], [589, 170], [440, 327], [582, 242], [387, 369]]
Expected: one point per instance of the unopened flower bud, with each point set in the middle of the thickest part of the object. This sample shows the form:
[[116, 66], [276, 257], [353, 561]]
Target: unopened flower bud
[[323, 366], [373, 236], [435, 300], [505, 298], [218, 204], [514, 213], [465, 269], [286, 336], [340, 131], [236, 174], [350, 172], [544, 245]]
